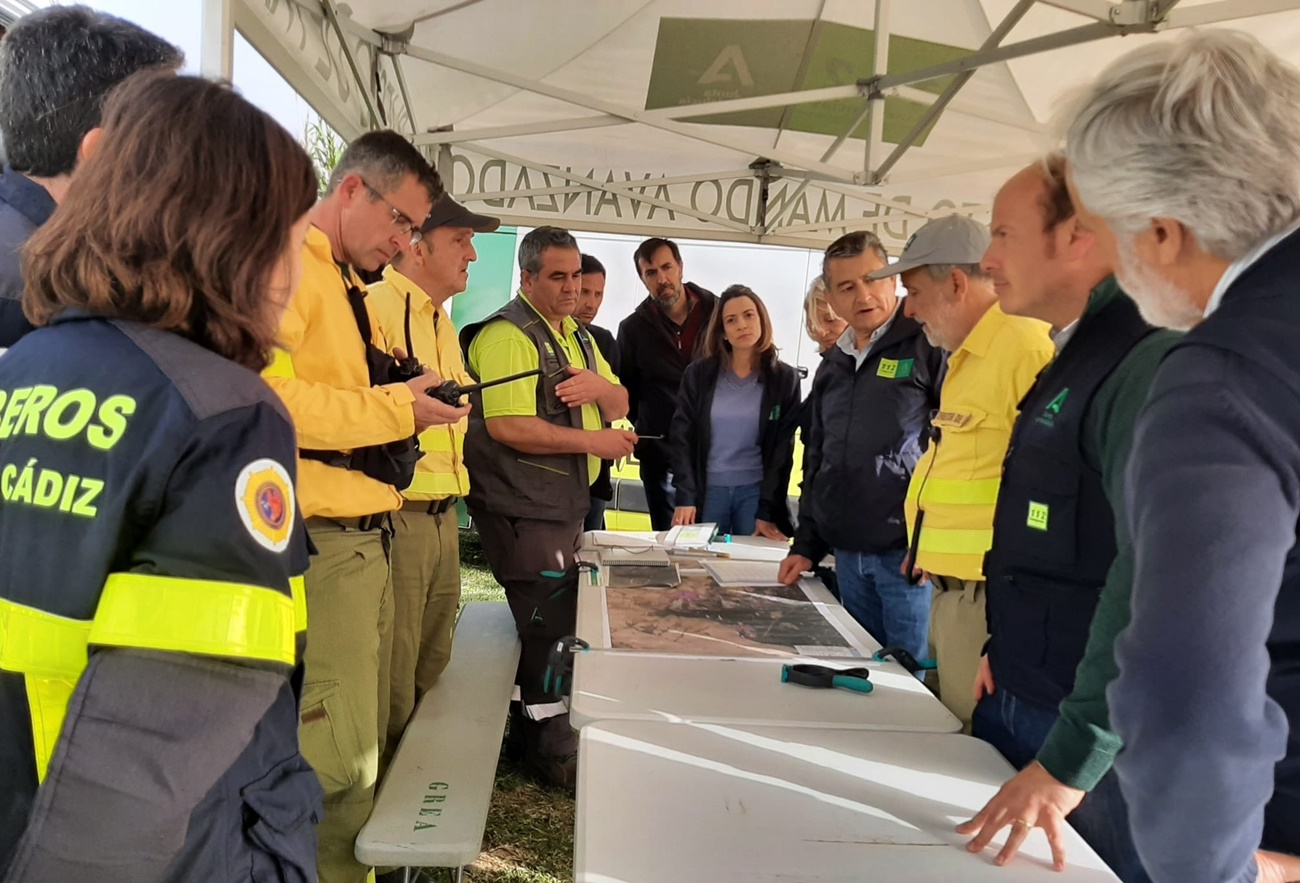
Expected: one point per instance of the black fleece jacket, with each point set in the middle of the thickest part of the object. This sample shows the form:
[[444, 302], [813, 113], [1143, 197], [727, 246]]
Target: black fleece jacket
[[691, 436]]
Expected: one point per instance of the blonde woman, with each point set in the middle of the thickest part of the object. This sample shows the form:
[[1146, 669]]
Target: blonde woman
[[823, 326]]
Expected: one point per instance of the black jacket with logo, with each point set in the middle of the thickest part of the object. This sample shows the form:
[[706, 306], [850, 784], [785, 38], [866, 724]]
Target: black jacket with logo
[[692, 437], [652, 367], [866, 431], [151, 510]]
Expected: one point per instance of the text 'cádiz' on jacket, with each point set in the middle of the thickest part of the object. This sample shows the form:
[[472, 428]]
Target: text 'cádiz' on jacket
[[151, 618]]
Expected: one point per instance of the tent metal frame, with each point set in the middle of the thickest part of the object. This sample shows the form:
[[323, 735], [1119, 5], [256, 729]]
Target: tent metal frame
[[1107, 18]]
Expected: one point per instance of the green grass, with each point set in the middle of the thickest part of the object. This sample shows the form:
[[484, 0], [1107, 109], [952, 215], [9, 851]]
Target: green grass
[[529, 836]]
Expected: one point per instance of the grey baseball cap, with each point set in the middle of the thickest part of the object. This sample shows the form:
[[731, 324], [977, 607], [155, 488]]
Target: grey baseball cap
[[950, 240]]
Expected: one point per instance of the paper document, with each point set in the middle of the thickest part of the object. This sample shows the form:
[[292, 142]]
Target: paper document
[[687, 536], [749, 551], [643, 576], [611, 557], [606, 539], [733, 572]]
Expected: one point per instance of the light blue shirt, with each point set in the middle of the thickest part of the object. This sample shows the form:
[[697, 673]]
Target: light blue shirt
[[848, 341]]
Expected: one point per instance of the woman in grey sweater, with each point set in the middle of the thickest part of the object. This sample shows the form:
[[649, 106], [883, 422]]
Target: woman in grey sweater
[[732, 436]]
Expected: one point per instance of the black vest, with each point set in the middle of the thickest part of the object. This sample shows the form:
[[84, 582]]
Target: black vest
[[1054, 530], [504, 481]]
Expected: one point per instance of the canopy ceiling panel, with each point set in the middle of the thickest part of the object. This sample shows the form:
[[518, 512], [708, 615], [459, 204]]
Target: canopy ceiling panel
[[754, 120]]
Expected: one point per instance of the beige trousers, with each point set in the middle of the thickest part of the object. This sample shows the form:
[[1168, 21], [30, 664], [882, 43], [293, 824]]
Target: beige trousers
[[958, 631], [344, 712], [426, 595]]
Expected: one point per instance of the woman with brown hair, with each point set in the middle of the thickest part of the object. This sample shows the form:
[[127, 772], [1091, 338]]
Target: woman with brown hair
[[732, 435], [149, 537]]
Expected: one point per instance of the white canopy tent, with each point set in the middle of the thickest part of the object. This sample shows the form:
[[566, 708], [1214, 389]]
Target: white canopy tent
[[772, 121]]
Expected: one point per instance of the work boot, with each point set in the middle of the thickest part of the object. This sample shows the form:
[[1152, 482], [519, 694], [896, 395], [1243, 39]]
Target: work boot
[[551, 751], [516, 739]]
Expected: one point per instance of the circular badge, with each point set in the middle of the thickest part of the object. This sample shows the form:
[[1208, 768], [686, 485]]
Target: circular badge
[[264, 500]]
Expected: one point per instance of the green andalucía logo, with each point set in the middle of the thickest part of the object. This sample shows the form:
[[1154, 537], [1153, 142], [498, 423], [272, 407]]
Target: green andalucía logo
[[1053, 408]]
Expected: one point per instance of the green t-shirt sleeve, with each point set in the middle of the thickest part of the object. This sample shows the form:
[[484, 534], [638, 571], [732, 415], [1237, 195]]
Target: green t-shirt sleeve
[[499, 350], [602, 366], [1081, 747]]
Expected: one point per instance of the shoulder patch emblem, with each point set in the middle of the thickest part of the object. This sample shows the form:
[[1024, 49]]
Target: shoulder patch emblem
[[265, 502]]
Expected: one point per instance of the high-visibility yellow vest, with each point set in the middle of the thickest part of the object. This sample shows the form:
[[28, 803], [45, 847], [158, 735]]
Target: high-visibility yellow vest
[[441, 471], [956, 480], [143, 612]]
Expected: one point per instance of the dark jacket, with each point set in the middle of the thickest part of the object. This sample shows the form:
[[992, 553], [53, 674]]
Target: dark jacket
[[1207, 699], [181, 739], [865, 436], [602, 488], [691, 437], [652, 368], [24, 206]]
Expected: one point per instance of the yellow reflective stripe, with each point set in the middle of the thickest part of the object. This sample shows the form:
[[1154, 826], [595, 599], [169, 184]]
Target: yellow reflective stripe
[[147, 612], [955, 491], [39, 643], [195, 616], [298, 588], [281, 365], [47, 699], [955, 542]]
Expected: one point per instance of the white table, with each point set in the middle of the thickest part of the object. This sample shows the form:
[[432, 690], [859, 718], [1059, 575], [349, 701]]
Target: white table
[[682, 802], [623, 686], [613, 684]]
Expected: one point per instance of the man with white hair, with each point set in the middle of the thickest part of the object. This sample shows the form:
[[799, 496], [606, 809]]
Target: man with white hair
[[1189, 153]]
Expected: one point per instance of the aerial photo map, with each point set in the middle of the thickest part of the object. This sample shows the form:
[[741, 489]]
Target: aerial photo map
[[699, 617]]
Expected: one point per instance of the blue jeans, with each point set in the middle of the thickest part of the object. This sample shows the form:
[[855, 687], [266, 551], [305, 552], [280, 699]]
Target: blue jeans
[[1018, 730], [595, 519], [732, 508], [879, 597]]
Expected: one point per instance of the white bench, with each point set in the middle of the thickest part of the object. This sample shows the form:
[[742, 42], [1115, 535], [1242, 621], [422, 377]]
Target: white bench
[[432, 805]]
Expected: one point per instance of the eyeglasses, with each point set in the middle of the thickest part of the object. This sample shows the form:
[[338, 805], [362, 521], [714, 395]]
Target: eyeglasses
[[400, 220]]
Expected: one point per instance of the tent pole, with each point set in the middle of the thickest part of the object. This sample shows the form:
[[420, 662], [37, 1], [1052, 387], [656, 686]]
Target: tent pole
[[406, 93], [331, 15], [876, 103], [217, 45], [927, 119], [1224, 10], [1100, 10], [830, 151]]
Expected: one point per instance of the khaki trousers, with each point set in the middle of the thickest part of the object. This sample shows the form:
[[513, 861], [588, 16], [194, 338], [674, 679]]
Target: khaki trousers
[[958, 631], [344, 713], [426, 595]]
